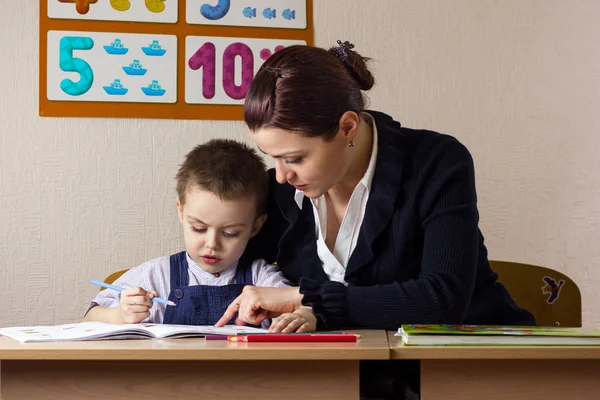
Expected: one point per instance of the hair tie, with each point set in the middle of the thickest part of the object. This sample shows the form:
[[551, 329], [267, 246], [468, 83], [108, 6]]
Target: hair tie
[[341, 51], [274, 70]]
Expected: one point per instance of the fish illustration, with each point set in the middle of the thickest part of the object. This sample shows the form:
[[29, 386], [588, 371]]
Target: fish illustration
[[249, 12], [269, 13], [289, 14]]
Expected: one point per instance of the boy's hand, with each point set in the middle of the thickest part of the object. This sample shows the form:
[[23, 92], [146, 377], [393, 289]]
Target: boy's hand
[[135, 304], [301, 320]]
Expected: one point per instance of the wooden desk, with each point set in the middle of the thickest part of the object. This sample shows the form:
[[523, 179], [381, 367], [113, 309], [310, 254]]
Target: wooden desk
[[494, 373], [186, 369]]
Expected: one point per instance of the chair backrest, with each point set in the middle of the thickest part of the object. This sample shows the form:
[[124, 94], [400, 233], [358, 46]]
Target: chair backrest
[[114, 276], [552, 297]]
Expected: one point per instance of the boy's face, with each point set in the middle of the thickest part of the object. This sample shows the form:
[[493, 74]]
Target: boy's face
[[217, 231]]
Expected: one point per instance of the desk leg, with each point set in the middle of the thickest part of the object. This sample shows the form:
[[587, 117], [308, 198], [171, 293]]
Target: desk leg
[[95, 380], [510, 379]]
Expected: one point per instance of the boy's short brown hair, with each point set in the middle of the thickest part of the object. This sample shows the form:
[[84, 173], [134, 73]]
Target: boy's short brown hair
[[227, 168]]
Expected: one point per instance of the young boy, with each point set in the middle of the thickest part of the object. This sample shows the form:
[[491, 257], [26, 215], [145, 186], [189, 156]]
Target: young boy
[[222, 190]]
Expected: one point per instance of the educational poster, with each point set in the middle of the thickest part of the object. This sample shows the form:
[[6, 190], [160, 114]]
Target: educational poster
[[220, 70], [289, 14], [112, 67], [172, 59], [115, 10]]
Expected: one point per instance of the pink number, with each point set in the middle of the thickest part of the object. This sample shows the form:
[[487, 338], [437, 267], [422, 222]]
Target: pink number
[[205, 57], [233, 50]]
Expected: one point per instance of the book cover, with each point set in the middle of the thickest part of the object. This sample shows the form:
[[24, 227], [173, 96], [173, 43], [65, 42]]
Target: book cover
[[498, 330], [497, 335]]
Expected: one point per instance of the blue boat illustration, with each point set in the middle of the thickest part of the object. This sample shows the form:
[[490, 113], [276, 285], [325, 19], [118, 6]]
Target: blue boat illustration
[[135, 68], [116, 88], [154, 49], [116, 47], [153, 89]]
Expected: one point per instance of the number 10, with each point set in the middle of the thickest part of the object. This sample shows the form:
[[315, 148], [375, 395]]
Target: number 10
[[205, 57]]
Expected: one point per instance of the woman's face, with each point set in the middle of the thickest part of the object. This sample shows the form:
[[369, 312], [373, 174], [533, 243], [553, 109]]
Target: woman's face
[[311, 164]]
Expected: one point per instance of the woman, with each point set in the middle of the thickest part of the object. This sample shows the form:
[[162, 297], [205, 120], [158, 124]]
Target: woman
[[377, 223]]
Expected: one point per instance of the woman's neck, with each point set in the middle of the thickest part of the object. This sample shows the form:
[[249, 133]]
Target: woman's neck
[[363, 147]]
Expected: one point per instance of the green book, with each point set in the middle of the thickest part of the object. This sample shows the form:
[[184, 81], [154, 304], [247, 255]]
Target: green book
[[491, 335]]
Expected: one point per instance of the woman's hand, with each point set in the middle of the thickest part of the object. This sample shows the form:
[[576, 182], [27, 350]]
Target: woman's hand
[[301, 320], [256, 304]]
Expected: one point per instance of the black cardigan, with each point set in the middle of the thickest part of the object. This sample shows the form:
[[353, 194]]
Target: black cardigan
[[420, 256]]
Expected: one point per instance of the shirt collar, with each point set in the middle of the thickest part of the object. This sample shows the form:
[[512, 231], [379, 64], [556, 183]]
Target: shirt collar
[[192, 264], [367, 178]]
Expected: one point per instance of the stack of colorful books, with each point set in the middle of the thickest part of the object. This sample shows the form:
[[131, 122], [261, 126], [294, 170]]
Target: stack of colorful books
[[487, 335]]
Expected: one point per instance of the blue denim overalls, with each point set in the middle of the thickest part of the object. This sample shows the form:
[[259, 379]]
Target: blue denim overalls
[[201, 304]]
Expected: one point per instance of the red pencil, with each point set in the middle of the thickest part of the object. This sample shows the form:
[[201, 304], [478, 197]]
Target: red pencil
[[295, 337]]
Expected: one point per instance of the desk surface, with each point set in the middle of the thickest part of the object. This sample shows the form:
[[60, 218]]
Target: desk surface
[[372, 345], [401, 352]]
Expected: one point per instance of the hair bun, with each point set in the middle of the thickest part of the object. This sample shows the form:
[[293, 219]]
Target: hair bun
[[354, 63]]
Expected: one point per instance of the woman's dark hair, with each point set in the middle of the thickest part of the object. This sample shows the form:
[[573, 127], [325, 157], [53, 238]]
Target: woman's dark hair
[[307, 89]]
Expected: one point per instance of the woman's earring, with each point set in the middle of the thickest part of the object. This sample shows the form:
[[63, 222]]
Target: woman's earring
[[351, 143]]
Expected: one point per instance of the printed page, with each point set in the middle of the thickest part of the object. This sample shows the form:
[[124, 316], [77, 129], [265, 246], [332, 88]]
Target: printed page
[[77, 331], [172, 331]]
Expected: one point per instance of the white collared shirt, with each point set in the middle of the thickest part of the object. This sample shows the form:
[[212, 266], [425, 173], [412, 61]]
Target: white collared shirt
[[334, 264]]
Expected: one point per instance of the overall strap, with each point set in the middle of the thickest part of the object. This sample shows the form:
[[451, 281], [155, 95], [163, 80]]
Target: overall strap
[[243, 274], [179, 270]]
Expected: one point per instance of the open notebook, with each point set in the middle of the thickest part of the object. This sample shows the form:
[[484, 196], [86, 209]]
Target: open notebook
[[487, 335], [104, 331]]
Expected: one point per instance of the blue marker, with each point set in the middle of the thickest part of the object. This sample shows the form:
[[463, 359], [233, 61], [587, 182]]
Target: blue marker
[[120, 289]]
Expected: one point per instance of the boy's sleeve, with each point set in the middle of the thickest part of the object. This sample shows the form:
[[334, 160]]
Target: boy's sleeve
[[111, 298], [150, 276], [267, 275]]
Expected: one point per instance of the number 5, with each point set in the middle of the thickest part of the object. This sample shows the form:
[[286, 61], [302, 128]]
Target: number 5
[[70, 64]]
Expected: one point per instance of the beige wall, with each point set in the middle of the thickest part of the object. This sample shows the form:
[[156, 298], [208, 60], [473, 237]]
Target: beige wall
[[517, 81]]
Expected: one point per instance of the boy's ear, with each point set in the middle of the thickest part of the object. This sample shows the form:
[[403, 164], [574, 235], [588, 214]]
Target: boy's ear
[[179, 210], [260, 221]]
